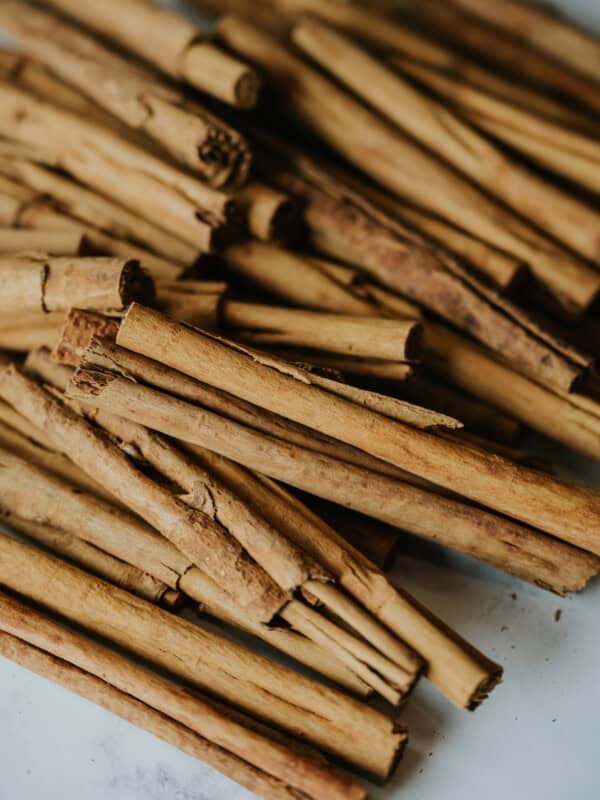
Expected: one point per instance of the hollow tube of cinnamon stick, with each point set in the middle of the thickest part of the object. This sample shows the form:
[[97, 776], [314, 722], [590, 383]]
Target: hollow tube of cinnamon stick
[[563, 510], [270, 214], [118, 673], [332, 721]]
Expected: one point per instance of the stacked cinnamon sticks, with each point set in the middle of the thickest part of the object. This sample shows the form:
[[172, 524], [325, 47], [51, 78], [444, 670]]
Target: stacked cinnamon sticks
[[238, 371]]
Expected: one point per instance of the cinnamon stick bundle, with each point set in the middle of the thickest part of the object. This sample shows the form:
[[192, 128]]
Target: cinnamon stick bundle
[[543, 29], [358, 336], [504, 52], [555, 212], [192, 135], [294, 769], [393, 159], [172, 44], [499, 542], [566, 152], [532, 498], [33, 283], [345, 225], [324, 717], [128, 175]]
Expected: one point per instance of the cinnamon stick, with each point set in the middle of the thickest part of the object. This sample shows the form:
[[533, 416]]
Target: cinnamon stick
[[22, 335], [359, 336], [454, 141], [277, 769], [377, 369], [196, 302], [173, 45], [270, 214], [57, 284], [77, 332], [195, 137], [55, 243], [527, 496], [332, 721]]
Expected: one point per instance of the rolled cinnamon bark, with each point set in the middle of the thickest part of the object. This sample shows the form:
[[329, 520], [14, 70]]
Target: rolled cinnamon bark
[[346, 226], [543, 29], [358, 336], [78, 330], [55, 243], [116, 676], [399, 164], [444, 133], [96, 561], [173, 44], [475, 371], [292, 277], [197, 302], [205, 541], [124, 172], [58, 284], [505, 52], [270, 214], [348, 365], [336, 723], [195, 137], [29, 332], [530, 497], [566, 152]]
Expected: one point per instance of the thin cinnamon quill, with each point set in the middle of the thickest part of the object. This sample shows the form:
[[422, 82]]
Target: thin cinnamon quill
[[566, 511], [264, 765], [170, 42], [399, 164], [192, 135], [332, 721], [57, 284], [447, 135]]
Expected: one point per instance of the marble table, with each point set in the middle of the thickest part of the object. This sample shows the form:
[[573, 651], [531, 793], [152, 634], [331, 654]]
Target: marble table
[[537, 737]]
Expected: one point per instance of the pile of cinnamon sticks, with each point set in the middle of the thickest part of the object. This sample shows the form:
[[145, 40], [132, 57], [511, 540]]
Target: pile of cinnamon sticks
[[235, 370]]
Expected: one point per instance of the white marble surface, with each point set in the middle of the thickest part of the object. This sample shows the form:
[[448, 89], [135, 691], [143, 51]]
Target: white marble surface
[[538, 736]]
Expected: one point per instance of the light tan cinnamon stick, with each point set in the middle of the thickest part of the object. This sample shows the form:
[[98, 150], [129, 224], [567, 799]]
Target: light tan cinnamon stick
[[55, 243], [545, 30], [527, 496], [324, 717], [204, 540], [124, 172], [359, 336], [270, 214], [21, 336], [196, 302], [564, 151], [377, 369], [454, 141], [96, 561], [192, 135], [292, 277], [173, 44], [57, 284], [116, 676], [394, 160]]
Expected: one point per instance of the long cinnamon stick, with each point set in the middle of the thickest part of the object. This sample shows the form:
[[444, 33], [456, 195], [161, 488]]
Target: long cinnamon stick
[[55, 243], [115, 676], [527, 496], [443, 132], [336, 723], [195, 137]]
